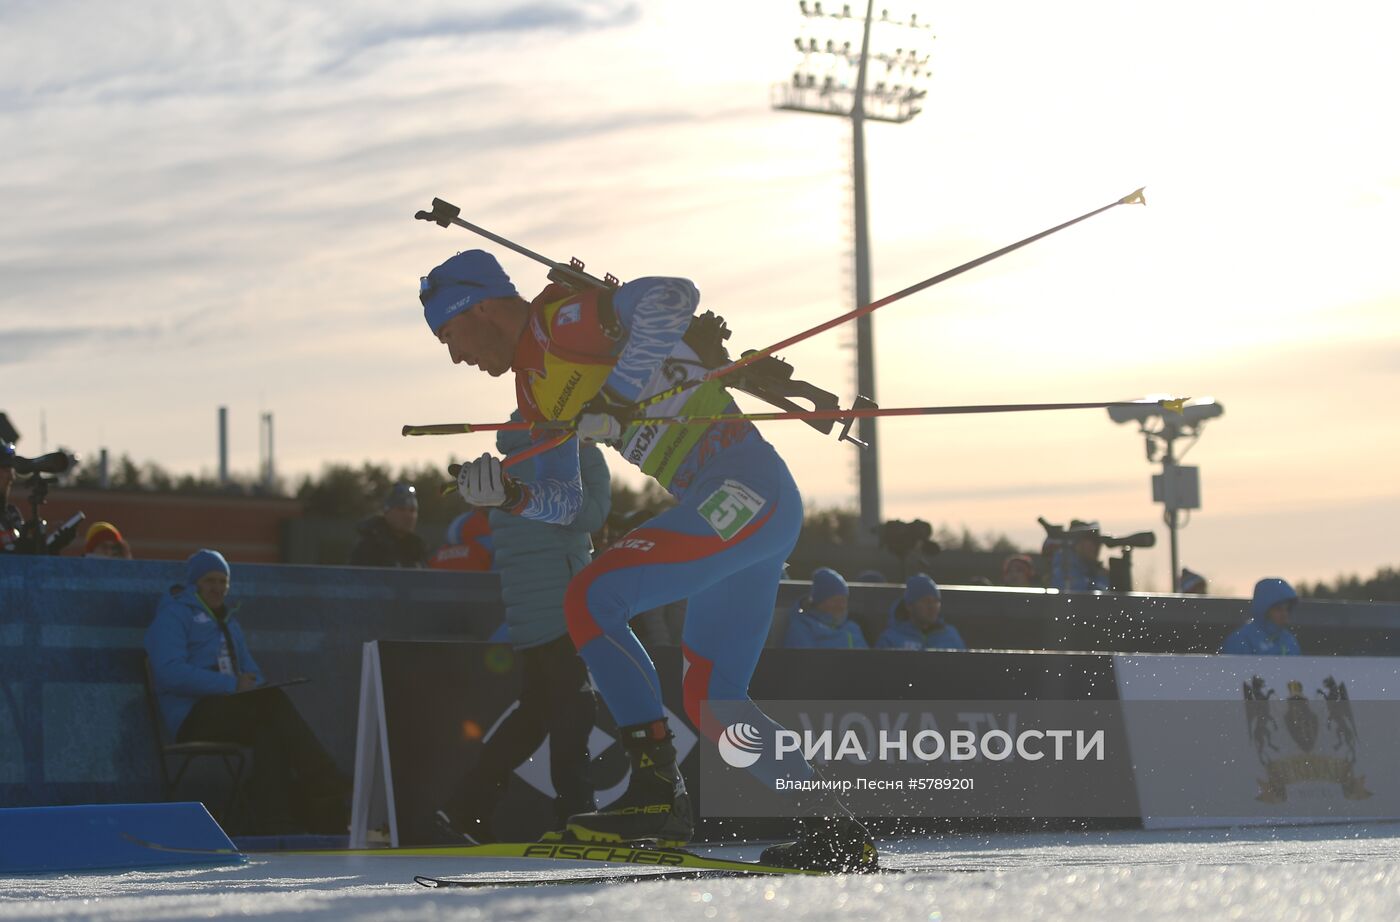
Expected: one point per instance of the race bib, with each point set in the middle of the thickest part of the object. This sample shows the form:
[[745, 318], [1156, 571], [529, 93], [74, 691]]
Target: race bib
[[730, 508]]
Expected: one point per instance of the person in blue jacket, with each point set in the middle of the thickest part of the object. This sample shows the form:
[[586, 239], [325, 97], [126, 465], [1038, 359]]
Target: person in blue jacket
[[207, 686], [822, 619], [535, 561], [1074, 559], [916, 622], [1266, 633]]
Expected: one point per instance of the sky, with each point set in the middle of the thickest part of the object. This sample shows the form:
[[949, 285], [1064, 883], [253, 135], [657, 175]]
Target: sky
[[210, 204]]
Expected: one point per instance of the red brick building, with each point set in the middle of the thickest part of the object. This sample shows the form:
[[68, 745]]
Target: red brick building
[[169, 526]]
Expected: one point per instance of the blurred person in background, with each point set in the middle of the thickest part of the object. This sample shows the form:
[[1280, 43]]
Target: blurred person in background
[[1018, 570], [468, 545], [103, 540], [388, 539], [1192, 583], [1266, 633], [535, 561], [821, 620], [916, 620]]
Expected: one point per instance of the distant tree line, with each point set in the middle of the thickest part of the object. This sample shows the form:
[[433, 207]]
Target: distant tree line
[[355, 491], [1383, 587], [337, 491], [842, 526]]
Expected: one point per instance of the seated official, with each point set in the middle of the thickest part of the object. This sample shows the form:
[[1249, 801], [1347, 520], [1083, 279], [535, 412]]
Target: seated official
[[916, 620], [206, 682], [1266, 633], [821, 620]]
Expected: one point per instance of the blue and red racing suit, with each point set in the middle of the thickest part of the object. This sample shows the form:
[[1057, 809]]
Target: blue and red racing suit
[[722, 547]]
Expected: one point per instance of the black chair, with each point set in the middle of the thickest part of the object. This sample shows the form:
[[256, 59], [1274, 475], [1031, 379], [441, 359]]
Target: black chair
[[230, 754]]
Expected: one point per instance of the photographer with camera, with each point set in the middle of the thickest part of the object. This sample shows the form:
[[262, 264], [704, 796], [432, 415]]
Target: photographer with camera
[[18, 536], [10, 519], [1073, 553], [1074, 558]]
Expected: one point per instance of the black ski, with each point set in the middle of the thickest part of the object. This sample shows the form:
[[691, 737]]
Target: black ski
[[621, 877]]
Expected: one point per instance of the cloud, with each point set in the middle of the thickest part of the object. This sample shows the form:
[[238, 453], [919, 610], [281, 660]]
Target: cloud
[[147, 51], [536, 17], [1012, 490], [27, 344]]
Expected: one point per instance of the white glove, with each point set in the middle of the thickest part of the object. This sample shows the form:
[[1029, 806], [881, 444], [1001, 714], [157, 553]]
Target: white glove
[[600, 427], [482, 482], [601, 419]]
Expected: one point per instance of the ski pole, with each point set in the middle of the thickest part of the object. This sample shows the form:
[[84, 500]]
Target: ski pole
[[510, 460], [1173, 405], [445, 213], [1134, 198]]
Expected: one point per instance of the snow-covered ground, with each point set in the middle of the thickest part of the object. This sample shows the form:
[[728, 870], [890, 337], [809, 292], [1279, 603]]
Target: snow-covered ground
[[1322, 873]]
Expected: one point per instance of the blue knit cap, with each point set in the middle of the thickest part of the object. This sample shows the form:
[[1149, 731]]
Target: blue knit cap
[[920, 586], [464, 280], [202, 562], [1270, 592], [826, 583], [401, 494]]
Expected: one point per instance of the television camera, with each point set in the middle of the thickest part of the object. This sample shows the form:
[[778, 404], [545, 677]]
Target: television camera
[[31, 536], [1120, 569]]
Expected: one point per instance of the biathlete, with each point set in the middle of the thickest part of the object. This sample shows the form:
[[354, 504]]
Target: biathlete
[[591, 357]]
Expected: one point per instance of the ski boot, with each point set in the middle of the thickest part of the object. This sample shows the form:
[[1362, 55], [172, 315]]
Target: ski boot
[[655, 807], [466, 819], [833, 841]]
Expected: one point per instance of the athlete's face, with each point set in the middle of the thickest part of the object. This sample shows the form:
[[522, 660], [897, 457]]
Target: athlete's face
[[480, 337]]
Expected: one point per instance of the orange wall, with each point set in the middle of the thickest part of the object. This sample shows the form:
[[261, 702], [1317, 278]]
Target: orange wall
[[164, 526]]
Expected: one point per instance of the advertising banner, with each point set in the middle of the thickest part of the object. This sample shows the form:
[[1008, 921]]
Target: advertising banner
[[1235, 740]]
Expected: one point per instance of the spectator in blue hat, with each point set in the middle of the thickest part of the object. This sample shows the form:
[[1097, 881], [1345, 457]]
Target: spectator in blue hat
[[208, 688], [1266, 633], [916, 620], [821, 620], [388, 539]]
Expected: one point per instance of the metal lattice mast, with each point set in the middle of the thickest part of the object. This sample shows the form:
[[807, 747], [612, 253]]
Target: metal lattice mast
[[831, 79]]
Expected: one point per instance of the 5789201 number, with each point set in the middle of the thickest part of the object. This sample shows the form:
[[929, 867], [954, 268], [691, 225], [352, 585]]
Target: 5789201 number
[[941, 784]]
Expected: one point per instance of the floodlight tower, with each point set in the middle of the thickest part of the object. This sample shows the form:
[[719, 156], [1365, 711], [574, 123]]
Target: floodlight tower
[[830, 79], [1178, 487]]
